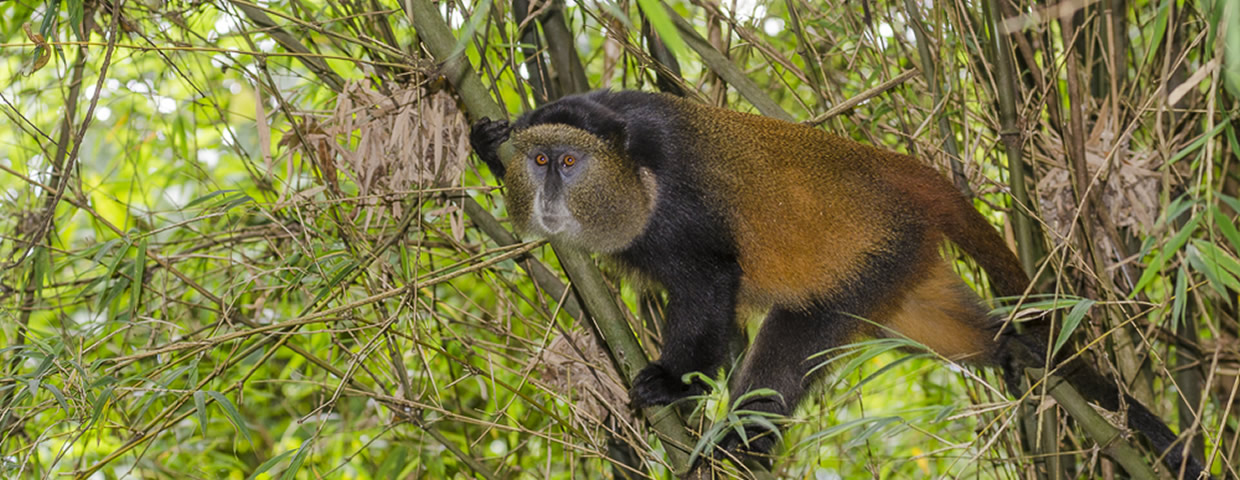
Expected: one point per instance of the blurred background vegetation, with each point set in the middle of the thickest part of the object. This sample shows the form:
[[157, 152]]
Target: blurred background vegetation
[[247, 240]]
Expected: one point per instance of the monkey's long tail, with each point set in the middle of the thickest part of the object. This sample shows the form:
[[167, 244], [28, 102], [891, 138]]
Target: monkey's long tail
[[1098, 389], [969, 230], [955, 216]]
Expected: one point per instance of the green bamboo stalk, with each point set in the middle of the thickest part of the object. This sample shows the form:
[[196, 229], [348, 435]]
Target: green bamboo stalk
[[562, 48], [1010, 133], [587, 280], [936, 93], [1108, 437], [1041, 435], [727, 70], [539, 75]]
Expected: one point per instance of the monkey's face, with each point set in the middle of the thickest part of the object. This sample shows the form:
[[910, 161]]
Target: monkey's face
[[568, 185], [553, 169]]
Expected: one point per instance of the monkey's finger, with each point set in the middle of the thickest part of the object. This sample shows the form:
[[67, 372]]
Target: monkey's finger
[[485, 123]]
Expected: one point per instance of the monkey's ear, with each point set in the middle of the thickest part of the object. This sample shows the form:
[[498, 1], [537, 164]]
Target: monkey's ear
[[485, 136], [609, 126], [617, 136], [585, 112]]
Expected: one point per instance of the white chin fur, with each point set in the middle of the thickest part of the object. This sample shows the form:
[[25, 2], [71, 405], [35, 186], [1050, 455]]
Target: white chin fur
[[553, 224], [557, 221]]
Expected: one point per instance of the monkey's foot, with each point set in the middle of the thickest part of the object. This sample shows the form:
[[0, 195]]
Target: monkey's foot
[[655, 385]]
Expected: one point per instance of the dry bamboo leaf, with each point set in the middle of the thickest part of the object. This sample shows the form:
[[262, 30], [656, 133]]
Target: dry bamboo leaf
[[264, 130], [403, 141], [1130, 188], [590, 383]]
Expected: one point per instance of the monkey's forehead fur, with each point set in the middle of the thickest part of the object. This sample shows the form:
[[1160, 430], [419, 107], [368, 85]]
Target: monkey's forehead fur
[[556, 134]]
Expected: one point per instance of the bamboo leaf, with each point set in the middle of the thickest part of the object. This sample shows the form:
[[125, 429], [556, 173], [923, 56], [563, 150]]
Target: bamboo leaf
[[943, 412], [1229, 200], [48, 29], [1181, 292], [662, 24], [60, 398], [394, 464], [765, 422], [1070, 322], [847, 426], [1155, 267], [1231, 129], [1220, 257], [271, 462], [100, 402], [231, 413], [335, 280], [111, 291], [857, 386], [206, 197], [77, 12], [1160, 29], [139, 264], [32, 389], [874, 427], [200, 404], [1231, 47], [708, 440], [42, 266], [756, 394], [1226, 226], [237, 200], [869, 351], [1198, 142], [290, 473], [1208, 260]]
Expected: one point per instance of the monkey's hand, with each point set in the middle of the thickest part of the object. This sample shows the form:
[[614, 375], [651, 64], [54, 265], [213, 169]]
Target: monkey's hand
[[655, 385], [485, 136]]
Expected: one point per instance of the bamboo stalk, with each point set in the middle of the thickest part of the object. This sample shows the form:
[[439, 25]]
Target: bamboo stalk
[[1108, 437], [562, 47], [587, 280], [1041, 435], [1010, 133], [936, 93], [535, 67]]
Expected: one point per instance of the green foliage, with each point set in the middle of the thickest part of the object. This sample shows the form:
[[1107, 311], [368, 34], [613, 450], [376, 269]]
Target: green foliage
[[205, 273]]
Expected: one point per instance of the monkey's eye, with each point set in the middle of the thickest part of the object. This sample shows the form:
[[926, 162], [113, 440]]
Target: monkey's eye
[[540, 159], [569, 160]]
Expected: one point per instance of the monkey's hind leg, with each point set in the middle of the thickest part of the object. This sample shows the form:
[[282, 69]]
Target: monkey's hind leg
[[943, 314]]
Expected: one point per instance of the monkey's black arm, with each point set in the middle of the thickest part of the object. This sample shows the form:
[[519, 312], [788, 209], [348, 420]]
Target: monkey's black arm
[[485, 136], [700, 325]]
